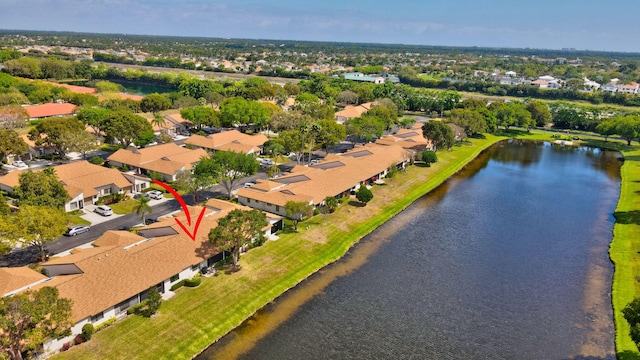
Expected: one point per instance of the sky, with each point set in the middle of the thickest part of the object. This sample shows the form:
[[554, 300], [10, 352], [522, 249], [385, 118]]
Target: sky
[[549, 24]]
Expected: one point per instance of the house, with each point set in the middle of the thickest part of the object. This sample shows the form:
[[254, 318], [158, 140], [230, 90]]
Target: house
[[353, 111], [180, 124], [85, 182], [336, 176], [631, 88], [50, 110], [117, 272], [409, 139], [232, 140], [166, 159], [610, 87], [358, 76], [75, 88]]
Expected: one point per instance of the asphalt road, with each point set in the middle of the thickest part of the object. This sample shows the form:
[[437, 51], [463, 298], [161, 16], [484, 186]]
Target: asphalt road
[[28, 255]]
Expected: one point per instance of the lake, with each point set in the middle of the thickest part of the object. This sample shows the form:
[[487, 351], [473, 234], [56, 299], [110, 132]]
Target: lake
[[506, 260]]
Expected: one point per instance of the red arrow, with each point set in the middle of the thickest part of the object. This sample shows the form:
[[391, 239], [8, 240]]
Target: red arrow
[[184, 209]]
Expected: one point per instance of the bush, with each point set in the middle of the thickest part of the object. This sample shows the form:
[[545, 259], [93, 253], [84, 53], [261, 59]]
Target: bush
[[136, 308], [429, 156], [105, 324], [65, 346], [96, 160], [78, 340], [177, 285], [87, 331], [364, 195], [392, 172], [154, 175], [192, 282]]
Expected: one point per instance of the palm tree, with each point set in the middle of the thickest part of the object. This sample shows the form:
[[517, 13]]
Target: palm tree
[[158, 121], [142, 207]]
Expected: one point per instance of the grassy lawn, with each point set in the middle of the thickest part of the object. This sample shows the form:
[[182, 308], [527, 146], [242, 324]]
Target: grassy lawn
[[124, 207], [195, 317], [75, 219]]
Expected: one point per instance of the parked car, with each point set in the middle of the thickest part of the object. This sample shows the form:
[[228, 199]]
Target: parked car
[[249, 184], [264, 161], [19, 164], [314, 161], [75, 230], [154, 194], [150, 220], [104, 210]]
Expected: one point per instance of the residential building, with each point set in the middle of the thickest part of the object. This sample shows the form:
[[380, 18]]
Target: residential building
[[631, 88], [117, 272], [353, 111], [49, 110], [84, 182], [232, 140], [166, 159], [337, 175], [409, 139]]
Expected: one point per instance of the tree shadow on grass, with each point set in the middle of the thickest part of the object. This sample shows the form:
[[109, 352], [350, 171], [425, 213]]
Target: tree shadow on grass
[[628, 355], [627, 217], [356, 203]]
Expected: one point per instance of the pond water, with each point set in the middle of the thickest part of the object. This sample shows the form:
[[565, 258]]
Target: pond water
[[506, 260]]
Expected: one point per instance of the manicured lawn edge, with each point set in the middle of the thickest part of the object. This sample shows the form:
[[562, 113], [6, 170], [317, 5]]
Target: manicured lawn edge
[[196, 317]]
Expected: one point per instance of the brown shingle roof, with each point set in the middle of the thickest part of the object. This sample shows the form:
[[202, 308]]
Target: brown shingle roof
[[354, 111], [79, 176], [165, 158], [125, 264], [232, 140], [15, 278]]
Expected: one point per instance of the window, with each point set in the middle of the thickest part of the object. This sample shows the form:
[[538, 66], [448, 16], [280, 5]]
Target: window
[[175, 278], [73, 205], [97, 317], [195, 267], [248, 200], [106, 191], [143, 186], [277, 208]]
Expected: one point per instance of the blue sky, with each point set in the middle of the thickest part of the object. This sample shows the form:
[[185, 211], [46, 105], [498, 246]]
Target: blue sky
[[555, 24]]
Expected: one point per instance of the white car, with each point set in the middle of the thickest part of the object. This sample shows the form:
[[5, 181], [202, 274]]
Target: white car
[[249, 184], [104, 210], [75, 230], [19, 164], [154, 194]]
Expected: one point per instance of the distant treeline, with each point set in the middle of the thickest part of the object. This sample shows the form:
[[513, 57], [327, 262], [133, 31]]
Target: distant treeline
[[523, 91]]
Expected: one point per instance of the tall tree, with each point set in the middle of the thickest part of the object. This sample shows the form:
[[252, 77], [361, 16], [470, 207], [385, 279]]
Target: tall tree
[[96, 118], [606, 128], [41, 188], [11, 144], [193, 183], [227, 168], [79, 141], [238, 111], [154, 103], [201, 116], [539, 113], [126, 127], [332, 133], [13, 117], [298, 211], [628, 127], [28, 318], [470, 120], [239, 227], [142, 207], [34, 225], [51, 131], [439, 133]]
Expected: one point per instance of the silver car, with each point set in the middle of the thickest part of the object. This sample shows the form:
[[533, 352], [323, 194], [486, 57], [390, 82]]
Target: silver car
[[75, 230]]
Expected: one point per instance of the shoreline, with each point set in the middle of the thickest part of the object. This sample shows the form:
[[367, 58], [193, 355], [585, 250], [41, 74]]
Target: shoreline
[[266, 276]]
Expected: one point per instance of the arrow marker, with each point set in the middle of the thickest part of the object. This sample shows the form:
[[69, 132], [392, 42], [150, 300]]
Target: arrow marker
[[184, 209]]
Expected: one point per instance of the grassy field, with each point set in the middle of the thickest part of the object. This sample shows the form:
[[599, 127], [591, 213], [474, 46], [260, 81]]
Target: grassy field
[[195, 317]]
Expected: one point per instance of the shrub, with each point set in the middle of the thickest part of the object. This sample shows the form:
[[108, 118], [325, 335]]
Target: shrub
[[429, 156], [178, 285], [192, 282], [154, 175], [364, 195], [392, 172], [78, 340], [136, 308], [96, 160], [105, 324], [87, 331], [65, 346]]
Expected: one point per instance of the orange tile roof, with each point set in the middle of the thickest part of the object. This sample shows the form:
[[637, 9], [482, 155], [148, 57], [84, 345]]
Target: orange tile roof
[[354, 111], [49, 109], [75, 88]]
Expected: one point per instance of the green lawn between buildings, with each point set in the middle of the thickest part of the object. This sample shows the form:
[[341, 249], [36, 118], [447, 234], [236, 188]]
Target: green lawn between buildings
[[195, 317]]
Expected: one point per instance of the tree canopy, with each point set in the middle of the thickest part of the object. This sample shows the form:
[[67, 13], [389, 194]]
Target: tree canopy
[[227, 167], [298, 211], [28, 318], [126, 127], [439, 133], [239, 227], [41, 188], [364, 195], [11, 144]]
